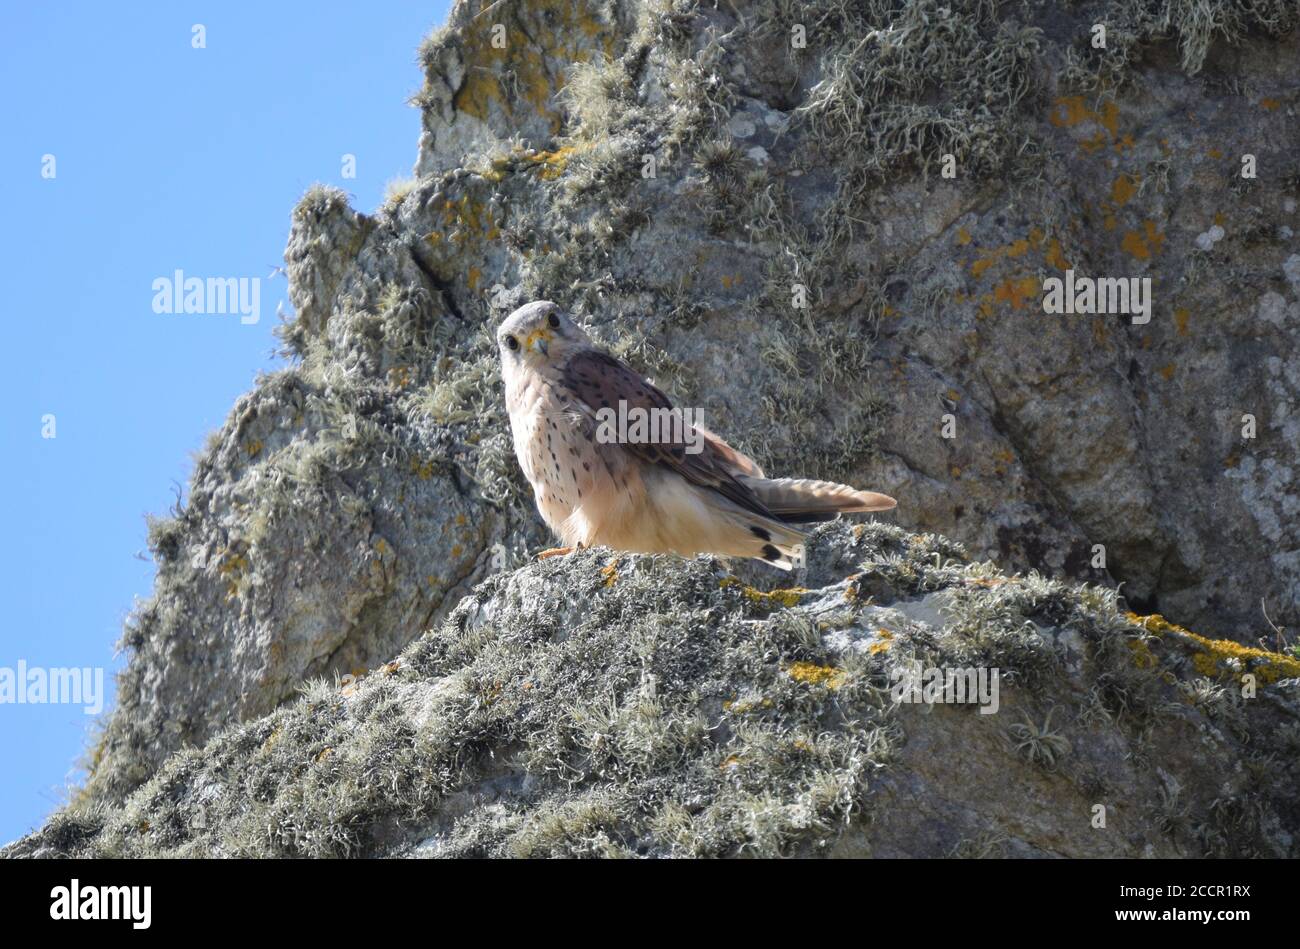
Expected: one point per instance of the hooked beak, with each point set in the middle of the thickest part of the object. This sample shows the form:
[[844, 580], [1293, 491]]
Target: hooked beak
[[538, 339]]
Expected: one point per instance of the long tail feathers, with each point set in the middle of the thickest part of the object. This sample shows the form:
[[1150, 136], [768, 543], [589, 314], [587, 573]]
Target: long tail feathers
[[779, 540], [801, 500], [772, 541]]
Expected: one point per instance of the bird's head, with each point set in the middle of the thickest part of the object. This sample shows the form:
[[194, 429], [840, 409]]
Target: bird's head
[[538, 334]]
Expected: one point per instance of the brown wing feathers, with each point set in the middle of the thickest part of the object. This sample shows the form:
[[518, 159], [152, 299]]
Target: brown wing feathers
[[599, 381]]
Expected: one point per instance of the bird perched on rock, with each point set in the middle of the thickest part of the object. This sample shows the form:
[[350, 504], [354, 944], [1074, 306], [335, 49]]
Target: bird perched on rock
[[671, 487]]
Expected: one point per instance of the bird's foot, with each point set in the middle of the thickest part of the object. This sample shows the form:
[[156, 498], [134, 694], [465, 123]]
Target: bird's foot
[[556, 552]]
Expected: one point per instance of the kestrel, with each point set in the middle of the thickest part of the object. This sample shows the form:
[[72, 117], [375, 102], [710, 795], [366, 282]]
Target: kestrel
[[689, 493]]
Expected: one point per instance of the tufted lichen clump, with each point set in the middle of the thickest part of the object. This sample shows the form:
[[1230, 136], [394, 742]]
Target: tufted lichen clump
[[673, 712], [765, 231], [615, 719]]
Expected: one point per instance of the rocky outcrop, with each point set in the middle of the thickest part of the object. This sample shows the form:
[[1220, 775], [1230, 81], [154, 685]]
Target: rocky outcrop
[[766, 229], [656, 707]]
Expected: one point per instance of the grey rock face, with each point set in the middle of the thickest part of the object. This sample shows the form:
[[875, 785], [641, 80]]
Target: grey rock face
[[679, 176], [639, 706]]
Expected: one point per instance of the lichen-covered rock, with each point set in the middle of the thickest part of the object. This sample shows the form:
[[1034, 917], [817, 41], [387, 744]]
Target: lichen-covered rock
[[650, 706], [765, 227], [492, 74]]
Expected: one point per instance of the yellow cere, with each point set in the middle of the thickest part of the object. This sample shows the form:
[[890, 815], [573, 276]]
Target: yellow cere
[[542, 333]]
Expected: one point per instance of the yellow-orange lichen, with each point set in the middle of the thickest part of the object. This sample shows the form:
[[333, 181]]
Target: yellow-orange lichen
[[1122, 191], [1143, 244], [556, 31], [1216, 657], [810, 673], [1069, 111], [770, 598], [610, 572]]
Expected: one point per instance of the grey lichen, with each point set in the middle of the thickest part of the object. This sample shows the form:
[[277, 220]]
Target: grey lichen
[[765, 229], [634, 706]]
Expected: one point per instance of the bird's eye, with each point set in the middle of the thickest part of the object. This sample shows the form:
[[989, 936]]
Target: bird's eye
[[512, 343], [554, 321]]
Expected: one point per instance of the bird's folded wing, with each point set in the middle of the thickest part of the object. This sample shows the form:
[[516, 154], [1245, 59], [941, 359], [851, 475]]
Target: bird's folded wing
[[598, 381]]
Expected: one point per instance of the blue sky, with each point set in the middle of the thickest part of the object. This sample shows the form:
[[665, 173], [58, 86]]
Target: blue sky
[[166, 157]]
